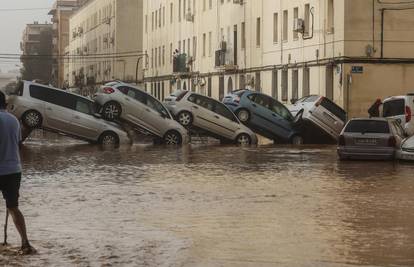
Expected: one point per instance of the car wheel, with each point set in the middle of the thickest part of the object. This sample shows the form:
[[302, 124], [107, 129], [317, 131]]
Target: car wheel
[[243, 115], [109, 138], [173, 138], [243, 139], [297, 140], [32, 119], [185, 118], [111, 111]]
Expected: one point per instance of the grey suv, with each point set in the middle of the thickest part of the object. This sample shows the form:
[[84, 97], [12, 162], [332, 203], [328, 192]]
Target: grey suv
[[40, 106], [121, 101]]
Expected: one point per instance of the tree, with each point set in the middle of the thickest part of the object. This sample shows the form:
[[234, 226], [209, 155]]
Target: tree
[[37, 64]]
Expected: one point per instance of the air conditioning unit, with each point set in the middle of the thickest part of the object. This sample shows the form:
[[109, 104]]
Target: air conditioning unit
[[238, 2], [223, 45], [298, 25], [189, 17]]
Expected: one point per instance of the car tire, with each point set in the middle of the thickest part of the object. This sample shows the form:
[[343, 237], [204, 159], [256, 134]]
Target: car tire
[[243, 139], [297, 140], [185, 118], [108, 138], [243, 115], [111, 111], [173, 138], [32, 119]]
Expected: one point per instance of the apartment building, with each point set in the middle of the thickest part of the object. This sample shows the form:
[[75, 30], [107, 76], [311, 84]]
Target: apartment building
[[60, 12], [346, 50], [105, 42]]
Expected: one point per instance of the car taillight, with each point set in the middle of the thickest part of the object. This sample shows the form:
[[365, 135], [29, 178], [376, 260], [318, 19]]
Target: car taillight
[[319, 101], [407, 114], [108, 90], [392, 142], [341, 140], [180, 96]]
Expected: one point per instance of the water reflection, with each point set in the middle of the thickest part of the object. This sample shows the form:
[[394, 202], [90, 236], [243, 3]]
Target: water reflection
[[211, 205]]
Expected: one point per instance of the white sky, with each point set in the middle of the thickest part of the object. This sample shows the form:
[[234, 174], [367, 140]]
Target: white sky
[[12, 24]]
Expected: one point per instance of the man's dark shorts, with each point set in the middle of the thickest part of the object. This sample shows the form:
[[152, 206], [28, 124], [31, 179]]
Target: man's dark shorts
[[9, 186]]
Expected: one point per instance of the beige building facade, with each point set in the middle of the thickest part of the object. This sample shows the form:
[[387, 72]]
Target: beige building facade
[[351, 51], [105, 42]]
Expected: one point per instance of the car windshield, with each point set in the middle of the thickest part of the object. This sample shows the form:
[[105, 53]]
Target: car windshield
[[334, 108], [367, 126], [393, 108]]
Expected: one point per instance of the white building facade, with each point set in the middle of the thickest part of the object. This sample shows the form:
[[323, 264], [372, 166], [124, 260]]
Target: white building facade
[[284, 48], [105, 42]]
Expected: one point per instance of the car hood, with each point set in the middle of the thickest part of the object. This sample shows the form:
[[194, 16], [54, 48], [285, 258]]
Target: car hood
[[408, 144]]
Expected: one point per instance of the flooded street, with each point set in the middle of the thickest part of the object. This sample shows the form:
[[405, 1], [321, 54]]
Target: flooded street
[[210, 205]]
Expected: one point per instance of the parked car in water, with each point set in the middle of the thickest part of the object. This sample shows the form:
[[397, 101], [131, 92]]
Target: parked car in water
[[121, 101], [40, 106], [400, 108], [370, 138], [195, 110], [265, 115], [406, 151], [321, 112]]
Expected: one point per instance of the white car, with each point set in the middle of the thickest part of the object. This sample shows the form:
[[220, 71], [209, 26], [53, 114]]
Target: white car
[[41, 106], [209, 115], [400, 108], [322, 112], [121, 101], [406, 152]]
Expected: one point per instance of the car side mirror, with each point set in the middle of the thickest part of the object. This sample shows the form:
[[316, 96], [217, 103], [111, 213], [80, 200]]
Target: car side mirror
[[97, 115]]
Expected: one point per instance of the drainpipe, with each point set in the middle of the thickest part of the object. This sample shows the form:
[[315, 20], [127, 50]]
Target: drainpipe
[[382, 32]]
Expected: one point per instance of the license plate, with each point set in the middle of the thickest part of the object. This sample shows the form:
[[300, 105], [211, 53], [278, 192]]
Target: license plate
[[366, 141]]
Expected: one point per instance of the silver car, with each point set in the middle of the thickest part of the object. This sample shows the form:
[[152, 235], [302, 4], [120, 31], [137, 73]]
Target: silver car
[[121, 101], [202, 112], [321, 112], [374, 138], [406, 151], [40, 106]]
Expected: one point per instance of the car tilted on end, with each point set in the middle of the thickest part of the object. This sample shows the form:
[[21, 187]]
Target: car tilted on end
[[121, 101], [370, 138], [194, 110], [265, 115], [40, 106], [400, 108]]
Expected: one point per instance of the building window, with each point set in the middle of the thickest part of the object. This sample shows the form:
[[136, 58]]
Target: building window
[[163, 55], [209, 85], [184, 46], [152, 58], [257, 82], [179, 10], [307, 19], [242, 82], [204, 44], [285, 85], [274, 84], [258, 34], [156, 19], [156, 57], [275, 27], [210, 44], [210, 4], [306, 82], [189, 47], [285, 25], [171, 12], [295, 84], [331, 14], [243, 35], [194, 47], [204, 5], [295, 17], [146, 23], [152, 21], [171, 54], [163, 16]]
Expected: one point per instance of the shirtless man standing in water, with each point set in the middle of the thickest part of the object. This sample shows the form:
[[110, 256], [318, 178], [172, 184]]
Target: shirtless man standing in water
[[11, 171]]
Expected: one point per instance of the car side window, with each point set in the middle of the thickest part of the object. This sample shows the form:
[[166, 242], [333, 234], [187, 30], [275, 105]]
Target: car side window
[[123, 89], [280, 110], [137, 95], [261, 100], [222, 110], [56, 97], [83, 106], [202, 101], [157, 106]]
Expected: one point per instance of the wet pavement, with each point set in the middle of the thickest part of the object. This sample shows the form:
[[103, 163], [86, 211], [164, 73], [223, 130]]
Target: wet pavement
[[211, 205]]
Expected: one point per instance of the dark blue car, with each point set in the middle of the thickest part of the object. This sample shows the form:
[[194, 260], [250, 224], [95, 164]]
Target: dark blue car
[[266, 116]]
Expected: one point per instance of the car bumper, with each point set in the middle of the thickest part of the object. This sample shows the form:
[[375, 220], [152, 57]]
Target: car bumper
[[366, 153], [404, 155]]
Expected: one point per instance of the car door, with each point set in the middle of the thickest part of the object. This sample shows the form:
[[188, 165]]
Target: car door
[[330, 116], [204, 116], [155, 115], [135, 105], [260, 114], [59, 109], [225, 121], [395, 109], [83, 123], [282, 120]]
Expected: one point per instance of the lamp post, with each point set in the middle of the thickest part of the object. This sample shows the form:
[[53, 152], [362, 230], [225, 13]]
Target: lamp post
[[136, 69]]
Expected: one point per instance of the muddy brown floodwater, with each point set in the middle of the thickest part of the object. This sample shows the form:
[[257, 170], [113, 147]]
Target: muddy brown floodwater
[[210, 205]]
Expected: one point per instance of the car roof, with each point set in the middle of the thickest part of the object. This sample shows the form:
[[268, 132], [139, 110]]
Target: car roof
[[60, 90]]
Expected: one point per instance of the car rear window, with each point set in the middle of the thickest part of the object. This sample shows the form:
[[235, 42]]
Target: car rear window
[[334, 108], [394, 108], [311, 98], [367, 126]]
